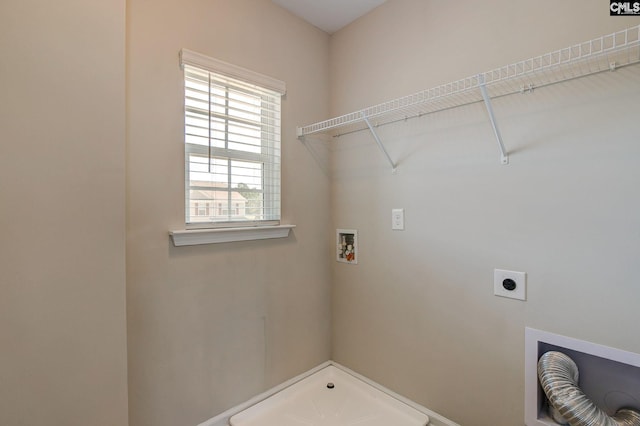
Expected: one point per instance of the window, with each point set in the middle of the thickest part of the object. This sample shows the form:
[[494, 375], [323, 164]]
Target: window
[[232, 144]]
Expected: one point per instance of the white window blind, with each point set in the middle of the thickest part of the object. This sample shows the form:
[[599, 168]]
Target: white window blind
[[232, 144]]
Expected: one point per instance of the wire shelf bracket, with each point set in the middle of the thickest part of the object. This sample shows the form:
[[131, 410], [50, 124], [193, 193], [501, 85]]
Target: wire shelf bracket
[[603, 54], [379, 142], [504, 157]]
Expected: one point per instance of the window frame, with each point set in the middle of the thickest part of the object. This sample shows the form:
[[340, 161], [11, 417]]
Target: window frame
[[270, 168]]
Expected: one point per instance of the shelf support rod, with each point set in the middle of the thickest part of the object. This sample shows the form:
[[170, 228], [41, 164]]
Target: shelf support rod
[[504, 157], [379, 142]]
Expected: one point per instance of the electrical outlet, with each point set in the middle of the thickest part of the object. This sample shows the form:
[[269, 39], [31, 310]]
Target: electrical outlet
[[397, 219], [510, 284]]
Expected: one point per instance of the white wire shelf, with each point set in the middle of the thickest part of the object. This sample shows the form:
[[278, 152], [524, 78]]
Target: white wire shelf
[[605, 53]]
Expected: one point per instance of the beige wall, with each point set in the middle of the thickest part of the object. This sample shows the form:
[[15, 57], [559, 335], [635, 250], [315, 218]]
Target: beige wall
[[62, 214], [211, 326], [418, 313]]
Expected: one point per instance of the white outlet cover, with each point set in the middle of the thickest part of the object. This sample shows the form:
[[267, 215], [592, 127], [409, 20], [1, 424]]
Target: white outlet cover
[[520, 278], [397, 219]]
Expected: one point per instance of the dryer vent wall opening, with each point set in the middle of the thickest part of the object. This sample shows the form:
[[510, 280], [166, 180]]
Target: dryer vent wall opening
[[609, 378], [559, 377]]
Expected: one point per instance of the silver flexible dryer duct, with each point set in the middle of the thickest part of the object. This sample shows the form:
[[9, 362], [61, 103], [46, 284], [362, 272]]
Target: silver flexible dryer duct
[[558, 376]]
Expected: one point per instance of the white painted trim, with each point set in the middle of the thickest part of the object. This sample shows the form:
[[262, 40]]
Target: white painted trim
[[223, 418], [192, 237], [199, 60]]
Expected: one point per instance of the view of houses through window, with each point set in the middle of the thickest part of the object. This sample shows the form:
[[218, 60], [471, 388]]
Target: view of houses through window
[[216, 194], [210, 202]]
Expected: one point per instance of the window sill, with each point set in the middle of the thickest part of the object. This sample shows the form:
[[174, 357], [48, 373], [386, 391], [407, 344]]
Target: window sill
[[192, 237]]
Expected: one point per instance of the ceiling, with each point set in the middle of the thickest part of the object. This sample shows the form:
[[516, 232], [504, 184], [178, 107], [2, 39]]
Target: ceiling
[[329, 15]]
